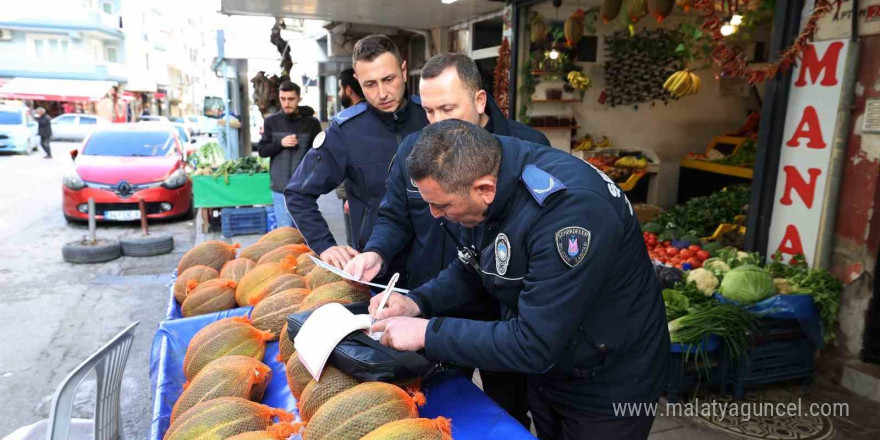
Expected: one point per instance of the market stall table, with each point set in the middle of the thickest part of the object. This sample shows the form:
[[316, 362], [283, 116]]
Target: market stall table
[[474, 415], [230, 191]]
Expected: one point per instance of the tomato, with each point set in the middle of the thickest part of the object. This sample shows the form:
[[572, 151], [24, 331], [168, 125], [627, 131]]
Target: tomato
[[671, 251], [666, 242], [686, 253], [703, 255], [652, 241], [694, 247], [693, 261], [678, 266], [675, 260]]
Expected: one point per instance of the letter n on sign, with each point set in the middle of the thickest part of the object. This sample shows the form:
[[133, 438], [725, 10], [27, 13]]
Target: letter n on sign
[[805, 156]]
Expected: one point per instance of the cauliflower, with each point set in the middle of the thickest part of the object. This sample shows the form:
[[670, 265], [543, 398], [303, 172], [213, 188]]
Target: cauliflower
[[717, 266], [704, 279]]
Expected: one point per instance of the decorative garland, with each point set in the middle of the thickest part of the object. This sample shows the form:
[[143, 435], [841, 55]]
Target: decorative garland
[[733, 62]]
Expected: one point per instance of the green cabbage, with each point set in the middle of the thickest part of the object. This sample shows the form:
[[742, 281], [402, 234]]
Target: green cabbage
[[747, 284]]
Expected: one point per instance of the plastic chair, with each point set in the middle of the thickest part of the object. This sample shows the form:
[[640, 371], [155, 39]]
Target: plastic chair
[[109, 364]]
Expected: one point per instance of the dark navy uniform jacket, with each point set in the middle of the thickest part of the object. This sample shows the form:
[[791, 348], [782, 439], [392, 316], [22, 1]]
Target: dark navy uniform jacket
[[404, 217], [357, 148], [563, 253]]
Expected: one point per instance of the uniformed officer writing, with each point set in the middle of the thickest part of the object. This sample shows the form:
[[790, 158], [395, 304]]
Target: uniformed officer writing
[[556, 242], [357, 149]]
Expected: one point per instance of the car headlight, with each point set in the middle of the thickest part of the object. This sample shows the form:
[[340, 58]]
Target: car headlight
[[73, 181], [176, 180]]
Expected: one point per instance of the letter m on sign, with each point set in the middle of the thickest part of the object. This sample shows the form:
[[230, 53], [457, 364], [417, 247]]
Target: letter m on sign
[[814, 66]]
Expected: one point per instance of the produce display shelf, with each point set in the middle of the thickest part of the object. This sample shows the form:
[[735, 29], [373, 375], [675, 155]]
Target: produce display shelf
[[727, 170]]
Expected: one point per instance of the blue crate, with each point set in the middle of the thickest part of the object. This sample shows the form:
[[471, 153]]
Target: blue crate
[[770, 363], [271, 220], [241, 221], [683, 375]]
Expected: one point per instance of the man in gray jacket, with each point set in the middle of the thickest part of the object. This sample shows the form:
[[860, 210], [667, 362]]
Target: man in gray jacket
[[287, 136]]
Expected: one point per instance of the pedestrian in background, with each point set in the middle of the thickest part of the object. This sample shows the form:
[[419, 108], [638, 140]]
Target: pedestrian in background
[[287, 136], [44, 123]]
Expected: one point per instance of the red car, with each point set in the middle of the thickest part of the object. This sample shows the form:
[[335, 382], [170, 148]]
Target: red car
[[123, 164]]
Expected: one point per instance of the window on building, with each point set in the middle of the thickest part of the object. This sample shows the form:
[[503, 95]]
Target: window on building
[[107, 7], [38, 49], [47, 46], [110, 54]]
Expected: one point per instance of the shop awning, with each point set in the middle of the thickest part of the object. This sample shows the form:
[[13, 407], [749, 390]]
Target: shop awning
[[55, 89], [417, 14]]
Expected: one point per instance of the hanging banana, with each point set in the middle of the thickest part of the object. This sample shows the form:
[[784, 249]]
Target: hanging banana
[[682, 83], [578, 80]]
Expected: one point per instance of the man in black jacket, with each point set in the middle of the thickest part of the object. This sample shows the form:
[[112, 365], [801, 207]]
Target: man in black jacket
[[44, 123], [287, 136]]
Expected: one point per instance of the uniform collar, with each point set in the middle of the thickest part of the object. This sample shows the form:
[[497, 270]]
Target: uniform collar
[[508, 181], [497, 120], [395, 119]]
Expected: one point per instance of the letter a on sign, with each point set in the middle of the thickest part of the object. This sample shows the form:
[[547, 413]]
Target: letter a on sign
[[809, 128], [791, 242]]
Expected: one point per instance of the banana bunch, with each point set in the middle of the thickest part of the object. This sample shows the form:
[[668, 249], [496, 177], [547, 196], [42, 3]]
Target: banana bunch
[[578, 80], [631, 162], [682, 83]]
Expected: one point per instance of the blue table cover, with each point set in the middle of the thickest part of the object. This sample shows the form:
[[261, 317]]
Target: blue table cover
[[474, 415]]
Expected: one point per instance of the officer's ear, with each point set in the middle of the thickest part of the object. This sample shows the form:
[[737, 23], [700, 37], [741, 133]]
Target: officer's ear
[[480, 99], [403, 70], [484, 188]]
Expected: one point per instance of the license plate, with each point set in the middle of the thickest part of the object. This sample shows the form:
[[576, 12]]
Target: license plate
[[122, 215]]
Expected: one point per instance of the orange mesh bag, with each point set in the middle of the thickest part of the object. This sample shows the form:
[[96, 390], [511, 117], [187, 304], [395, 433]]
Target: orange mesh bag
[[320, 276], [224, 417], [284, 234], [413, 429], [278, 431], [252, 288], [297, 376], [357, 411], [256, 251], [316, 393], [278, 254], [316, 304], [304, 264], [236, 269], [338, 291], [210, 253], [228, 376], [209, 297], [271, 313], [281, 283], [225, 337], [285, 345], [197, 274]]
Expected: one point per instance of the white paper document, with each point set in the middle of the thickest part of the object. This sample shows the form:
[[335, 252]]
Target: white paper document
[[320, 334], [349, 276]]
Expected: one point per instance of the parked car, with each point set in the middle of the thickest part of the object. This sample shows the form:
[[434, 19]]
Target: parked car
[[152, 118], [76, 126], [120, 165], [18, 130], [184, 120], [195, 123]]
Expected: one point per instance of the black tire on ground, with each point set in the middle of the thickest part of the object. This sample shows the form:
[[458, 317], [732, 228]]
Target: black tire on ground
[[81, 252], [139, 246]]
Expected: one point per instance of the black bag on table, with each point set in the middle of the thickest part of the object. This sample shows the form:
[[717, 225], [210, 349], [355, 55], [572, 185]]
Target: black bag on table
[[367, 360]]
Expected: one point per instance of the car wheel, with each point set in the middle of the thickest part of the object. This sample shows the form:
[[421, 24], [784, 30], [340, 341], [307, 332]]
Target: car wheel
[[140, 246], [84, 252]]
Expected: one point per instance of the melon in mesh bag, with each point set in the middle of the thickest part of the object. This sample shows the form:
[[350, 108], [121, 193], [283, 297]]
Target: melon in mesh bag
[[278, 254], [357, 411], [285, 345], [270, 314], [336, 292], [224, 417], [304, 264], [413, 429], [278, 431], [281, 283], [320, 276], [252, 288], [298, 377], [236, 269], [256, 251], [195, 274], [316, 393], [212, 253], [226, 337], [211, 296], [228, 376], [284, 234]]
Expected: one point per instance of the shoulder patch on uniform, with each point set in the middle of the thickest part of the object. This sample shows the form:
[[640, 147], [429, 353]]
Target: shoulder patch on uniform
[[573, 243], [539, 183], [416, 99], [319, 140], [345, 115]]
